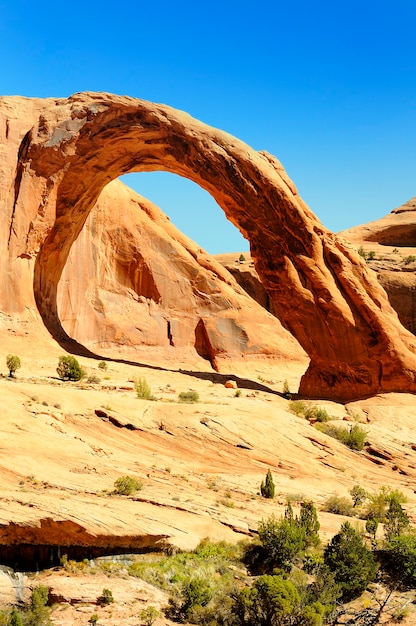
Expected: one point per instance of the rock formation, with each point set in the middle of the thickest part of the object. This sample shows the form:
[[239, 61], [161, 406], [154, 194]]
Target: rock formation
[[392, 242], [58, 155], [143, 283]]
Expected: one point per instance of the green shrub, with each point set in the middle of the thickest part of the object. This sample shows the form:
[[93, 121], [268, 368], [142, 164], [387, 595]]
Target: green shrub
[[39, 611], [69, 368], [358, 495], [318, 414], [283, 540], [13, 364], [142, 389], [149, 615], [102, 365], [267, 488], [106, 597], [127, 485], [379, 502], [402, 562], [338, 505], [93, 619], [409, 259], [270, 601], [351, 561], [301, 409], [298, 407], [188, 397], [354, 438], [15, 618], [286, 391], [397, 520], [93, 379], [371, 255]]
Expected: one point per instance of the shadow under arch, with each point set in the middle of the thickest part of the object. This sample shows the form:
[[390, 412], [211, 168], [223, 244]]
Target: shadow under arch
[[338, 313]]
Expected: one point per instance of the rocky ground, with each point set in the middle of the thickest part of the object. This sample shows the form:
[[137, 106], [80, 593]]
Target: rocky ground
[[64, 444]]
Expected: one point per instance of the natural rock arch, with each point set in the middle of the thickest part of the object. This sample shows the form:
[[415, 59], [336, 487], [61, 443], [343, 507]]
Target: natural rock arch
[[323, 292]]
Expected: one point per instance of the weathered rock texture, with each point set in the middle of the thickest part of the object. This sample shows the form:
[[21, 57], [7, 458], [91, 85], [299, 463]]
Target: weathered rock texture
[[392, 239], [58, 155], [143, 283]]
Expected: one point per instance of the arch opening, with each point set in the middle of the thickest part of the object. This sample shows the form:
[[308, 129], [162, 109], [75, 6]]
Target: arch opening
[[191, 209], [120, 298]]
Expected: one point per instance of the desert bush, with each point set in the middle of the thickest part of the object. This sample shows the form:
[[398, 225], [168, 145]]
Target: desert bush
[[397, 520], [142, 389], [106, 597], [286, 391], [269, 601], [13, 364], [409, 259], [379, 502], [267, 488], [283, 540], [338, 505], [301, 409], [318, 414], [402, 561], [93, 619], [188, 397], [69, 368], [93, 379], [149, 615], [127, 485], [102, 365], [351, 561], [38, 613], [354, 437], [358, 495], [15, 618], [298, 407]]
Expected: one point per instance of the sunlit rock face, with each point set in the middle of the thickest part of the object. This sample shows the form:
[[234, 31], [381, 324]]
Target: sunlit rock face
[[143, 284], [392, 241], [58, 155]]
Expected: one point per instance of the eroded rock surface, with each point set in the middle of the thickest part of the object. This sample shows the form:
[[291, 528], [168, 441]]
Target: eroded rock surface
[[144, 284], [57, 157], [392, 242]]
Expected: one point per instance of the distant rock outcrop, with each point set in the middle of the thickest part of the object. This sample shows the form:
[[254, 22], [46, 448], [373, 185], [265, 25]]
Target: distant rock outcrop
[[57, 155], [392, 240]]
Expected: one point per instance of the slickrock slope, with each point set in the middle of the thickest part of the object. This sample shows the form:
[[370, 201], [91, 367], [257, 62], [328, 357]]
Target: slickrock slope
[[64, 445], [58, 154]]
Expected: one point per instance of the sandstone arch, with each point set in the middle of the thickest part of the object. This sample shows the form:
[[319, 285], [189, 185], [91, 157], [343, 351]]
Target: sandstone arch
[[322, 291]]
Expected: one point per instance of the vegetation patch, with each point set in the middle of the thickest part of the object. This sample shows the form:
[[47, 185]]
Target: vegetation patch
[[127, 485], [188, 397], [353, 437]]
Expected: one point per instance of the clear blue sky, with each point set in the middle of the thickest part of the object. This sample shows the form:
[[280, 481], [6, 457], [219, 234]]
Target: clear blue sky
[[328, 87]]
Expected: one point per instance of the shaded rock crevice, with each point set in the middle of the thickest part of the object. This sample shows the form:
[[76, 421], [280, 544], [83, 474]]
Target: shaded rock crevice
[[32, 548]]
